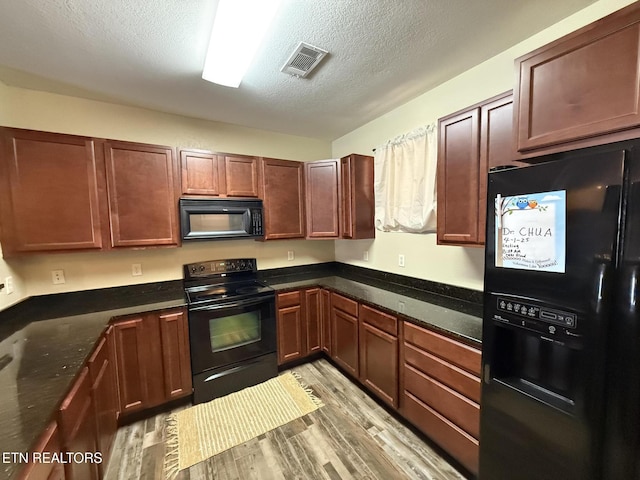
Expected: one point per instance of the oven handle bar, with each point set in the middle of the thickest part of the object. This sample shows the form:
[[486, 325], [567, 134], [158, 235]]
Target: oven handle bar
[[232, 370], [242, 303]]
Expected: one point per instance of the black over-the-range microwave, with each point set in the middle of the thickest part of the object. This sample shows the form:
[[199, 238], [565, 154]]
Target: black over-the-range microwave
[[220, 218]]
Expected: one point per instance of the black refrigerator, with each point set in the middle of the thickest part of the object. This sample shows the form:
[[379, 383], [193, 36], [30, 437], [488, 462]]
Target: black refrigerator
[[561, 333]]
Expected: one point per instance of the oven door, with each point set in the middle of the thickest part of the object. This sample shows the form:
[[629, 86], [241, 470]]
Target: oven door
[[231, 332]]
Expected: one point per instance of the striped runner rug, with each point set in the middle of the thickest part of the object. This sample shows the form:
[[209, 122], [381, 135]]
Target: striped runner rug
[[202, 431]]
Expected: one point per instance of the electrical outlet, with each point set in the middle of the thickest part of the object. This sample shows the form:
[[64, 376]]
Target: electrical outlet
[[57, 277], [8, 285], [290, 255], [136, 269], [401, 260], [401, 306], [365, 256]]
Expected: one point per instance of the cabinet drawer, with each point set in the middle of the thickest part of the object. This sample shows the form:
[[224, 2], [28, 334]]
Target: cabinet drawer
[[289, 299], [455, 352], [344, 304], [449, 403], [452, 376], [459, 444], [384, 322]]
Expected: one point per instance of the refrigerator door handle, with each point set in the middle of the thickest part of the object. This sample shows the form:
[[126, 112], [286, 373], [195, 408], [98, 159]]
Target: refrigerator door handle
[[487, 373], [631, 289]]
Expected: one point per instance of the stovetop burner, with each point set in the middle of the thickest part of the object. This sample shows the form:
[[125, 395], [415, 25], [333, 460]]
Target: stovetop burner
[[226, 291], [223, 280]]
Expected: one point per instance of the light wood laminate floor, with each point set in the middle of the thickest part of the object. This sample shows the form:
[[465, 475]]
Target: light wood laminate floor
[[351, 437]]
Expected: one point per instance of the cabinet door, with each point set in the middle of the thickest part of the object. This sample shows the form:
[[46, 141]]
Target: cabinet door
[[202, 173], [344, 330], [77, 425], [131, 361], [291, 333], [458, 177], [496, 148], [357, 197], [313, 319], [241, 176], [52, 192], [176, 360], [323, 206], [379, 353], [48, 442], [104, 396], [325, 321], [582, 85], [283, 198], [379, 363], [142, 195]]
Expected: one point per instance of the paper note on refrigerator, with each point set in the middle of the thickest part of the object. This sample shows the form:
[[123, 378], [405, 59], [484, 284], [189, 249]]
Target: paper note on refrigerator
[[530, 231]]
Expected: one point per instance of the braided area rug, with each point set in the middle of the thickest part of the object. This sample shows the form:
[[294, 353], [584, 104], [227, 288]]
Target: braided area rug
[[204, 430]]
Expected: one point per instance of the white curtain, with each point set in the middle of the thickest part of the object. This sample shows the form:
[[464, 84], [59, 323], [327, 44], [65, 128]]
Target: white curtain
[[405, 182]]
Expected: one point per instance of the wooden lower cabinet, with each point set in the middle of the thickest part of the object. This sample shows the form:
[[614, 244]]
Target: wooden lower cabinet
[[344, 331], [152, 357], [76, 421], [131, 363], [325, 321], [313, 317], [48, 443], [290, 326], [104, 395], [441, 391], [299, 324], [176, 359], [378, 345]]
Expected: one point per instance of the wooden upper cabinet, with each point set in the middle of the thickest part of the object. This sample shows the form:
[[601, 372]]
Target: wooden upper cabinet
[[142, 195], [50, 192], [202, 173], [497, 148], [323, 198], [581, 86], [219, 174], [241, 175], [458, 177], [357, 199], [470, 143], [283, 197]]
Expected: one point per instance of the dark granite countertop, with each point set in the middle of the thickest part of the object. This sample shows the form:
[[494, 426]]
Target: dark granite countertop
[[453, 316], [45, 340]]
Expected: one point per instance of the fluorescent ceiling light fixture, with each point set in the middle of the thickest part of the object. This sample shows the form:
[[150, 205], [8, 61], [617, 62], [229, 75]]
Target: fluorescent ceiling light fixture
[[238, 29]]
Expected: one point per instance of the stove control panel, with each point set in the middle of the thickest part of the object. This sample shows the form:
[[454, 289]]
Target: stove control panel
[[218, 267]]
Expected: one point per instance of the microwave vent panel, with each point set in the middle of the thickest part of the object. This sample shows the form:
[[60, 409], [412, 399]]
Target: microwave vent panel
[[303, 60]]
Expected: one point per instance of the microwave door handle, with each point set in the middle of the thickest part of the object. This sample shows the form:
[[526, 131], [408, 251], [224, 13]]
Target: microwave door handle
[[220, 306]]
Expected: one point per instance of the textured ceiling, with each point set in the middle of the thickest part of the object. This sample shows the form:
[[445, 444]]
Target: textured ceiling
[[383, 53]]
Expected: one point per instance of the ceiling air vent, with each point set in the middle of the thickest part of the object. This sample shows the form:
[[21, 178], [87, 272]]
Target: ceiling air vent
[[303, 60]]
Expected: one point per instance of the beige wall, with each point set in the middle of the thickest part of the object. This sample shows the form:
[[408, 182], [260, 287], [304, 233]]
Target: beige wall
[[424, 259], [58, 113]]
